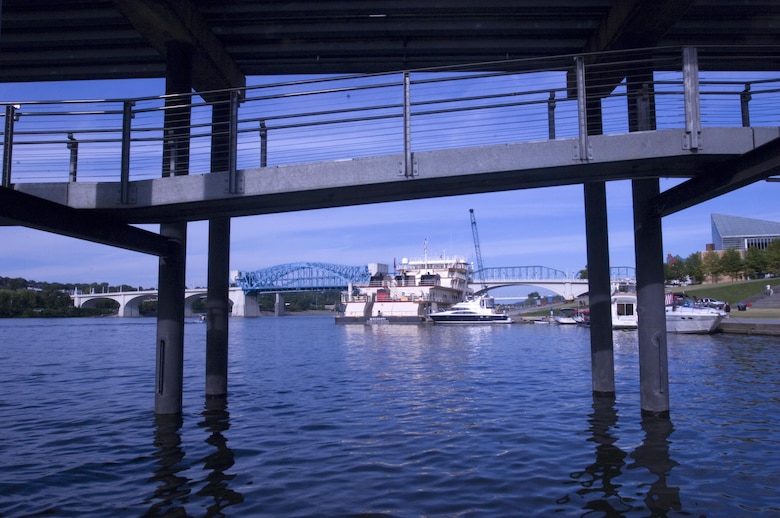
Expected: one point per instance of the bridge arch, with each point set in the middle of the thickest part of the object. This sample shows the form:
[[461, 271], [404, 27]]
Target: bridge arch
[[300, 277]]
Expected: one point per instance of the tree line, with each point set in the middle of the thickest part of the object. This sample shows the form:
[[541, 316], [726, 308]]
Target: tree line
[[714, 265]]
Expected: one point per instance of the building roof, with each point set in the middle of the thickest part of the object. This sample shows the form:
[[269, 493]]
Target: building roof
[[737, 226]]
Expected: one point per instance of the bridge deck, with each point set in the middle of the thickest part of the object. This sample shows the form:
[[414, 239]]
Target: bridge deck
[[438, 173]]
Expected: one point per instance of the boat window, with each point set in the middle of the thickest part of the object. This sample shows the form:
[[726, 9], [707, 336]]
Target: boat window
[[625, 309]]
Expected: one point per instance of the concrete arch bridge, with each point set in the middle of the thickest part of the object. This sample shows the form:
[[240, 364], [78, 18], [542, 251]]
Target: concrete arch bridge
[[557, 281], [277, 279]]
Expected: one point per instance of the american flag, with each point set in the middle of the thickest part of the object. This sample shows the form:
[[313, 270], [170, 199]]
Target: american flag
[[669, 298]]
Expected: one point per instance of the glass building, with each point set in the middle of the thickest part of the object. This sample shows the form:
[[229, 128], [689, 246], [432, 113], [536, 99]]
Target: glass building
[[742, 233]]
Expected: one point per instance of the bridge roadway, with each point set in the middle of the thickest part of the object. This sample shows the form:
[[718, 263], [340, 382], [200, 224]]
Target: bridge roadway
[[243, 298]]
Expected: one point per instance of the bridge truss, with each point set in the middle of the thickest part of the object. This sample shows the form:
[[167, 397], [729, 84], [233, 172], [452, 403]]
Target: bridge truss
[[301, 277]]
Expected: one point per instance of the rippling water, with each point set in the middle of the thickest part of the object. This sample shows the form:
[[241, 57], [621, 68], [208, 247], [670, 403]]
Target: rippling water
[[327, 420]]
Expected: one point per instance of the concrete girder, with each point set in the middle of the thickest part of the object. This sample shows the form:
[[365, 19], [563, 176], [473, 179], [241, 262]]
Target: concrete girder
[[448, 172]]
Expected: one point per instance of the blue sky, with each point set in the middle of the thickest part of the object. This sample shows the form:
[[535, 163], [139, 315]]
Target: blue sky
[[518, 228]]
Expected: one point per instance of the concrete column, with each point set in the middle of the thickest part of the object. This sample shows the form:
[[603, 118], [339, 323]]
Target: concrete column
[[279, 305], [653, 363], [217, 301], [170, 301], [601, 345], [648, 248], [600, 289]]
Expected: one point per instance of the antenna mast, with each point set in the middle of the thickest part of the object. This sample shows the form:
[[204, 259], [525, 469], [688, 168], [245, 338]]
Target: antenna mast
[[477, 250]]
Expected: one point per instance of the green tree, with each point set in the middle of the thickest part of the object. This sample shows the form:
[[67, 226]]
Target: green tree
[[694, 268], [772, 255], [711, 265], [731, 263], [755, 262]]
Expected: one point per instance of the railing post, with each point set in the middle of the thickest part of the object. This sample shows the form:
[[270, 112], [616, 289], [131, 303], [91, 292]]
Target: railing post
[[8, 142], [263, 144], [582, 110], [124, 179], [233, 187], [408, 164], [744, 100], [551, 115], [691, 98], [73, 146]]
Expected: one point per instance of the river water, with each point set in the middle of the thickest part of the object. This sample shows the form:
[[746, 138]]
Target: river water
[[327, 420]]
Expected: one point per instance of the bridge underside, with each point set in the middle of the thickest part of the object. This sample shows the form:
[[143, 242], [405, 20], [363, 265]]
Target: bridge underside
[[730, 158]]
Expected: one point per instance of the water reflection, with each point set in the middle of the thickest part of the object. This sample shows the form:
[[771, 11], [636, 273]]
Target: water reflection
[[600, 482], [653, 455], [216, 420], [173, 489]]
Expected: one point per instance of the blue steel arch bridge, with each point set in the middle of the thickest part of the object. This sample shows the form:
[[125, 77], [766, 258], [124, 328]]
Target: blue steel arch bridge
[[301, 277], [306, 276]]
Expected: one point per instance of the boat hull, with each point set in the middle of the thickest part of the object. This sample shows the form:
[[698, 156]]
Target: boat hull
[[685, 320], [471, 319]]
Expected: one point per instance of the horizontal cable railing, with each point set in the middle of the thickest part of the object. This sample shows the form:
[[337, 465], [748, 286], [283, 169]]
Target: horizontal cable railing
[[342, 118]]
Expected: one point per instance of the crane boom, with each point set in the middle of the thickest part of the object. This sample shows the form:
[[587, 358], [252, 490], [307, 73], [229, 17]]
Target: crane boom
[[477, 250]]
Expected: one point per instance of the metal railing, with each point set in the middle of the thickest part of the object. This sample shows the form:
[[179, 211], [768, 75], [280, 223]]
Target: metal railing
[[341, 118]]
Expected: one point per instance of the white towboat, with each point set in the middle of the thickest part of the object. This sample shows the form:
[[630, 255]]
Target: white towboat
[[687, 317], [408, 294], [480, 310]]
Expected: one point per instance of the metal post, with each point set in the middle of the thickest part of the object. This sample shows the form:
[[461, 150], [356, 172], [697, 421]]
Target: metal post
[[124, 180], [8, 143], [744, 100], [172, 272], [582, 110], [691, 99], [263, 144], [551, 115], [233, 187], [73, 146], [408, 166]]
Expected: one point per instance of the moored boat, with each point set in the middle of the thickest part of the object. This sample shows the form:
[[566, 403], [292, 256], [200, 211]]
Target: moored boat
[[408, 294], [681, 316], [479, 310]]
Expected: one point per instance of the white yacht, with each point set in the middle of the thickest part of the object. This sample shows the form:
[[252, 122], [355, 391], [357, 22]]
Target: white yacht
[[685, 317], [479, 310]]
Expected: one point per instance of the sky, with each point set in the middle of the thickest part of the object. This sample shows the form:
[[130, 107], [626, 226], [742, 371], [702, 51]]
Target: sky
[[517, 228]]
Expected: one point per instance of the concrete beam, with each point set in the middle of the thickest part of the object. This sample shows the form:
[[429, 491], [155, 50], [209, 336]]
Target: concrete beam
[[636, 24], [161, 21], [380, 179], [18, 208], [756, 165]]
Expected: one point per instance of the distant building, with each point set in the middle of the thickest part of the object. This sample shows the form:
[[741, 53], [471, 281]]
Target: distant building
[[742, 233]]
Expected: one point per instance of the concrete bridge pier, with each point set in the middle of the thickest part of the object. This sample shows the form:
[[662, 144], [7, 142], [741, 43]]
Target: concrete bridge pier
[[653, 361], [279, 305], [648, 248], [169, 373], [597, 245], [217, 298]]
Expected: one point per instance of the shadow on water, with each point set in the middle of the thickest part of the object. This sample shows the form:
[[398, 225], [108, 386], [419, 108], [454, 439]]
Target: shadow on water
[[173, 489], [600, 490]]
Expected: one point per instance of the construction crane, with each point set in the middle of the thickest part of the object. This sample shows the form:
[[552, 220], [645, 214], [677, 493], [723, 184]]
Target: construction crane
[[477, 250]]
